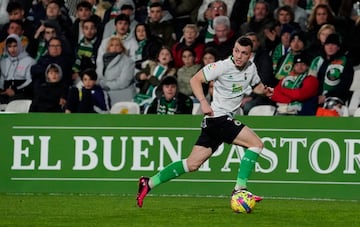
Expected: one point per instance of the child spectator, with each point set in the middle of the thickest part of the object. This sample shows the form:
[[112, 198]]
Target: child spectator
[[170, 100], [90, 98], [50, 96], [15, 79], [185, 72]]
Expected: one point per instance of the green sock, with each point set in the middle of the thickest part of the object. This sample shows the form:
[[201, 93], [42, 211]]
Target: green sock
[[247, 165], [171, 171]]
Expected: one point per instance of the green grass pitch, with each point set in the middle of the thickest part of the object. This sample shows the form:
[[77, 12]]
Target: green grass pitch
[[117, 210]]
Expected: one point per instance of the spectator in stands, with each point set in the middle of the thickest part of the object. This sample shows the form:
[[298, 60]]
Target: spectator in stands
[[349, 23], [190, 40], [261, 19], [16, 12], [209, 55], [285, 15], [50, 10], [296, 94], [4, 17], [186, 72], [128, 10], [333, 70], [184, 12], [54, 55], [224, 37], [83, 12], [170, 100], [316, 48], [148, 45], [151, 74], [89, 98], [215, 8], [115, 9], [160, 26], [262, 60], [15, 27], [204, 12], [300, 14], [86, 49], [55, 12], [321, 15], [15, 79], [122, 23], [283, 47], [40, 41], [116, 72], [50, 96], [285, 63]]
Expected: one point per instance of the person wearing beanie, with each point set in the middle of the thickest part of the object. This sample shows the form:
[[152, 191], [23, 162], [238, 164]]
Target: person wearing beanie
[[296, 94], [169, 100], [334, 71], [285, 63]]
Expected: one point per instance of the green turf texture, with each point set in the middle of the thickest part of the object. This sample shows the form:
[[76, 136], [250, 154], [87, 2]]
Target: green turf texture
[[97, 210]]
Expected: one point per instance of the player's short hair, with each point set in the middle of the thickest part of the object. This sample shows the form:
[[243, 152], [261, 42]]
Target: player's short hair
[[244, 41]]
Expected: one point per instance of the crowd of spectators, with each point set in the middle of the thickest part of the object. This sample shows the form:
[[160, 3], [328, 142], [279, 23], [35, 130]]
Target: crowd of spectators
[[84, 56]]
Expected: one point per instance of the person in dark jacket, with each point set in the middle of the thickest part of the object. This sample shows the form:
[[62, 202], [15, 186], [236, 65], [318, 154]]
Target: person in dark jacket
[[50, 96], [55, 55], [169, 100], [89, 98]]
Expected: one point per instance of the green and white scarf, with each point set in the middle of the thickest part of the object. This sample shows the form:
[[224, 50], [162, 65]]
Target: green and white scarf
[[286, 66]]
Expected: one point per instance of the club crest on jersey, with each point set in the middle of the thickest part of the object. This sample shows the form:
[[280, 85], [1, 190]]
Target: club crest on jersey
[[212, 66]]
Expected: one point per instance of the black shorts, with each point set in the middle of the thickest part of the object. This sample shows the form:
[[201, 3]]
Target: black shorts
[[215, 131]]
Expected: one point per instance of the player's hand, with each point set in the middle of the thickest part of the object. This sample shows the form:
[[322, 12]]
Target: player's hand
[[206, 108], [269, 91]]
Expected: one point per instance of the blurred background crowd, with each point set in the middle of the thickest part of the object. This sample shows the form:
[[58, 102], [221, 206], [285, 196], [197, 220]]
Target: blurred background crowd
[[86, 56]]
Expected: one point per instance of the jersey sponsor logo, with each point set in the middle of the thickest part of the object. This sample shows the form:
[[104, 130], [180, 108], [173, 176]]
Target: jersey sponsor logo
[[237, 88]]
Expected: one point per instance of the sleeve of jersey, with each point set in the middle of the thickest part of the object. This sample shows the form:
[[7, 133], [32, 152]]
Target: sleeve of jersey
[[213, 70], [255, 77]]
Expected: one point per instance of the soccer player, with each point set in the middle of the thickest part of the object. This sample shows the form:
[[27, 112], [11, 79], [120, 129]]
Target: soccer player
[[232, 77]]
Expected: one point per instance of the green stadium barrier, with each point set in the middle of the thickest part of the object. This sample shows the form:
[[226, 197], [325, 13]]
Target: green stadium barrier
[[305, 157]]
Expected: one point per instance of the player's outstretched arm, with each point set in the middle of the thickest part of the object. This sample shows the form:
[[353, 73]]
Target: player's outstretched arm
[[196, 85]]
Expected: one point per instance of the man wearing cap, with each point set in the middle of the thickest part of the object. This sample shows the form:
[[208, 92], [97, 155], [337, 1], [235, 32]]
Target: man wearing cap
[[285, 63], [296, 94], [333, 70], [170, 100]]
